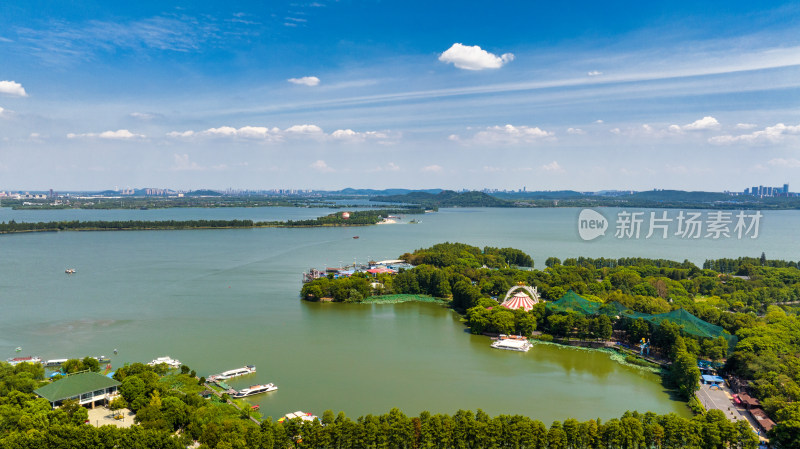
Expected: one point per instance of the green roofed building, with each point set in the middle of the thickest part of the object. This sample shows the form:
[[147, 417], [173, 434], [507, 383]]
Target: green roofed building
[[87, 388]]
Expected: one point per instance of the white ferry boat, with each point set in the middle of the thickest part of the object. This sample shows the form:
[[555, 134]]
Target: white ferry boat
[[54, 362], [255, 389], [29, 359], [512, 345], [248, 369], [172, 363]]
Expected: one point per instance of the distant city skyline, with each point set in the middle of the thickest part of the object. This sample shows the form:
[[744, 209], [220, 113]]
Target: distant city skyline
[[326, 95]]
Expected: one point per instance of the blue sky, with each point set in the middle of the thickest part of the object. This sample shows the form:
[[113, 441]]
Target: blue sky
[[326, 94]]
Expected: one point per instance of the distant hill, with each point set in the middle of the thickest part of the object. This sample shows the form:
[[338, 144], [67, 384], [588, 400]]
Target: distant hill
[[446, 198], [539, 195], [204, 192], [680, 195]]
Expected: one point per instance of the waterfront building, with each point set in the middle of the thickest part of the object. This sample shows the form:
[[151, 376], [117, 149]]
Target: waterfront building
[[87, 387]]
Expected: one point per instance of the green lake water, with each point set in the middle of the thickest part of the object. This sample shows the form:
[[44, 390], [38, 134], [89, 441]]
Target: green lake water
[[220, 299]]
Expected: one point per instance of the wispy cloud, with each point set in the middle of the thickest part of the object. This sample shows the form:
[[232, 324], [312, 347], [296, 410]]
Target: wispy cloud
[[321, 166], [62, 41], [432, 169], [144, 116], [474, 57], [553, 167], [788, 163], [594, 73], [183, 163]]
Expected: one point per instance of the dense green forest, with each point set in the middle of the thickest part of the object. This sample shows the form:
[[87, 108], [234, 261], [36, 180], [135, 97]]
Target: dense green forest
[[358, 218], [170, 414], [446, 198], [755, 307]]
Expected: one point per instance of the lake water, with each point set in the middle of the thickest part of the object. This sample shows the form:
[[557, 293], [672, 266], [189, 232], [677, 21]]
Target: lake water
[[220, 299]]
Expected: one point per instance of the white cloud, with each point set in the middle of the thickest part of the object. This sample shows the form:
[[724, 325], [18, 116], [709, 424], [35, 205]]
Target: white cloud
[[598, 121], [707, 122], [474, 57], [745, 125], [255, 132], [120, 134], [432, 169], [575, 131], [321, 166], [789, 163], [1, 111], [355, 136], [305, 81], [275, 134], [510, 134], [12, 88], [770, 134], [594, 73], [553, 167], [182, 163], [304, 129]]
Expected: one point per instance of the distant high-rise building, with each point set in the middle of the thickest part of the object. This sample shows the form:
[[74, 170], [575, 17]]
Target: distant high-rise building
[[786, 189]]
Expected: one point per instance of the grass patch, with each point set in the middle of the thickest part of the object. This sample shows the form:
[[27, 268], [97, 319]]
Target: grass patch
[[633, 360], [183, 383], [396, 299]]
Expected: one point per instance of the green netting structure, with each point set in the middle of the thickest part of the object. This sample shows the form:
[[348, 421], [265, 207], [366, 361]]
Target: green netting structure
[[573, 302]]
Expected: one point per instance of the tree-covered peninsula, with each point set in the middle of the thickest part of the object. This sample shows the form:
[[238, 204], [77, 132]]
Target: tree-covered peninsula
[[749, 305], [358, 218]]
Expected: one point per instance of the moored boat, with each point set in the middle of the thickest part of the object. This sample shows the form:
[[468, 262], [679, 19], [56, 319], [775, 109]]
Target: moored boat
[[54, 362], [29, 359], [247, 369], [255, 389], [172, 363], [512, 344]]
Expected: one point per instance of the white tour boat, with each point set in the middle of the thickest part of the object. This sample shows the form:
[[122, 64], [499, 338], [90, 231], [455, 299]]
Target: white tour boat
[[255, 389], [248, 369], [172, 363], [512, 345]]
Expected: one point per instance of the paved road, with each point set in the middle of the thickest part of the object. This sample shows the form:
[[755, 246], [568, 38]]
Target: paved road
[[720, 399]]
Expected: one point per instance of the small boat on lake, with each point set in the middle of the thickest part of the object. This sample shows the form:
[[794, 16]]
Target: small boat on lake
[[69, 271], [355, 236], [255, 389], [248, 369]]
